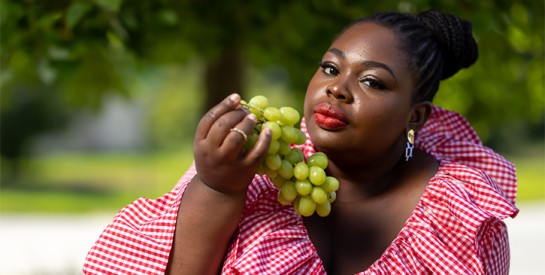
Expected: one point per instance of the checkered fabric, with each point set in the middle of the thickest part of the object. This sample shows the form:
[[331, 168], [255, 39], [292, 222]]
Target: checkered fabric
[[456, 227]]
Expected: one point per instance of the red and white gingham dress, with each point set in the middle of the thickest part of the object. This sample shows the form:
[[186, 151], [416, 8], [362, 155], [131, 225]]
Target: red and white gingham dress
[[456, 227]]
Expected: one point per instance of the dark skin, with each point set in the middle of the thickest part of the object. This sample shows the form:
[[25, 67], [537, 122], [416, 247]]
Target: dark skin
[[214, 199], [356, 233], [364, 76]]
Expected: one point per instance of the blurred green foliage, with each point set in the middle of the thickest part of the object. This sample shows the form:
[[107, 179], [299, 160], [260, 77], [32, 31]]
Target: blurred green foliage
[[60, 57]]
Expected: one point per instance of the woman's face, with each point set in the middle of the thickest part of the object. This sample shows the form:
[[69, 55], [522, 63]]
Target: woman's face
[[359, 100]]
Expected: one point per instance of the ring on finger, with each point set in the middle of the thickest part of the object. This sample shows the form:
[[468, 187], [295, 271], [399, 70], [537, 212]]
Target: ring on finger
[[244, 136]]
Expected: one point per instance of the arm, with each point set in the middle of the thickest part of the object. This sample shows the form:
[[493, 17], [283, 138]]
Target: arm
[[495, 253], [214, 199], [209, 220]]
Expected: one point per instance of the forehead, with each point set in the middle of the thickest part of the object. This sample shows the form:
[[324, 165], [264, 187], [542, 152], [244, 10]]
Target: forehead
[[371, 41]]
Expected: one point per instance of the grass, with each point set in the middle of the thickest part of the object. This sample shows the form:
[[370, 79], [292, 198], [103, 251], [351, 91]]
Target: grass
[[106, 182], [531, 178], [55, 201], [92, 182]]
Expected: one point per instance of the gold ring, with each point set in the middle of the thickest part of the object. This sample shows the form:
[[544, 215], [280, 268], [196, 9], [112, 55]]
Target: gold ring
[[244, 136]]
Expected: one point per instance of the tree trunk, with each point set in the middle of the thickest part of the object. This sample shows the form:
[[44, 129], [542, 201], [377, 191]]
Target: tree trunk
[[224, 76]]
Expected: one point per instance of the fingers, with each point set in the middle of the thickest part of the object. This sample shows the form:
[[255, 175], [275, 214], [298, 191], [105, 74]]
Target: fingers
[[240, 132], [221, 128], [255, 155], [230, 103], [214, 133], [236, 137], [234, 142]]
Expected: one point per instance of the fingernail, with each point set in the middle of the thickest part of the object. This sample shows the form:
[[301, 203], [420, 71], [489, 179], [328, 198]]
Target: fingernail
[[234, 97], [252, 117], [244, 109]]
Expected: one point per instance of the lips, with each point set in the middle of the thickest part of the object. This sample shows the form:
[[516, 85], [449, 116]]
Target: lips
[[329, 117]]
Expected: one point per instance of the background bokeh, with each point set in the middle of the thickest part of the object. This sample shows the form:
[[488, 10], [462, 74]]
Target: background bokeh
[[100, 98]]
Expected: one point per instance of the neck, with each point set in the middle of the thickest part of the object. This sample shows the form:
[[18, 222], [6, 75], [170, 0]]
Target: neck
[[361, 181]]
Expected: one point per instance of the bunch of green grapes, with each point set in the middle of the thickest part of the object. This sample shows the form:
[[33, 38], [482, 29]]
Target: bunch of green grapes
[[303, 183]]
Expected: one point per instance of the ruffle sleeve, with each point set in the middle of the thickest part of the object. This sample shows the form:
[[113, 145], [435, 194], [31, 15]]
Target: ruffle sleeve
[[448, 136], [139, 238], [455, 229]]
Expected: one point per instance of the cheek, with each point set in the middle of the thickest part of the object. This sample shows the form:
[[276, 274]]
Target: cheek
[[312, 93], [307, 106], [385, 118]]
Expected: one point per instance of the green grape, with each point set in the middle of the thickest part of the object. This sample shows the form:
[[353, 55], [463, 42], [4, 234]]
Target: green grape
[[332, 197], [289, 116], [273, 148], [307, 206], [331, 184], [286, 169], [323, 209], [256, 112], [271, 114], [295, 156], [273, 161], [284, 148], [252, 140], [257, 128], [301, 171], [305, 184], [318, 195], [318, 159], [270, 173], [300, 154], [296, 205], [281, 199], [316, 175], [275, 129], [278, 181], [303, 187], [261, 169], [259, 102], [289, 134], [301, 137], [288, 190]]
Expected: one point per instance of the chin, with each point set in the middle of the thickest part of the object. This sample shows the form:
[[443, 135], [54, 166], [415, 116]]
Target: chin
[[324, 141]]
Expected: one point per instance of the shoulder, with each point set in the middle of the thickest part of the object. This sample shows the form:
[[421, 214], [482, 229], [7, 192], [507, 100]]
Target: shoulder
[[458, 225], [448, 137], [468, 193]]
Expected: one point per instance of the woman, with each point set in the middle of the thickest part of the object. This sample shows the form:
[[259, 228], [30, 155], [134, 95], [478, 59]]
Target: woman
[[433, 205]]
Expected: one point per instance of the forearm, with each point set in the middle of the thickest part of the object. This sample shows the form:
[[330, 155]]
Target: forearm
[[206, 222]]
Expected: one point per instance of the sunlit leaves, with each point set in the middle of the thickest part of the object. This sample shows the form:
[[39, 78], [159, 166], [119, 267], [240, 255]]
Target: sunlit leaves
[[87, 49], [76, 12], [110, 5]]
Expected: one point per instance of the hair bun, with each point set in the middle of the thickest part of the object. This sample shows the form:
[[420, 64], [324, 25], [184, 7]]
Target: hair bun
[[455, 39]]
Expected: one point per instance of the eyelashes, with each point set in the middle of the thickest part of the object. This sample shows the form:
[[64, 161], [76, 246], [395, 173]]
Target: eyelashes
[[373, 83], [331, 70]]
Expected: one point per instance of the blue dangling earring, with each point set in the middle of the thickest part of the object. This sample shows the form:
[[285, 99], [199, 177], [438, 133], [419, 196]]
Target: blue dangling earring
[[410, 145]]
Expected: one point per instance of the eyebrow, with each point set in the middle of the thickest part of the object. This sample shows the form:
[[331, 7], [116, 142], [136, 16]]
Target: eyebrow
[[367, 63]]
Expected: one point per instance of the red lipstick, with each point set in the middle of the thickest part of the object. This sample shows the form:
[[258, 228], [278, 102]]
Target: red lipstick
[[329, 117]]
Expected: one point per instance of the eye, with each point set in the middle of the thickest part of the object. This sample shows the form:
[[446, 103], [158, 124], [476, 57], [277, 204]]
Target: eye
[[329, 69], [373, 83]]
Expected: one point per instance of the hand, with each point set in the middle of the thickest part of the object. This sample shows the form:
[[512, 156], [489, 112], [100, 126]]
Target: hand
[[221, 161]]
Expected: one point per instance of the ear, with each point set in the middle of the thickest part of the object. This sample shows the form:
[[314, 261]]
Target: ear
[[419, 115]]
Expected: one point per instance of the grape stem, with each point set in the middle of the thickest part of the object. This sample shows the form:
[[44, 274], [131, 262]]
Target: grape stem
[[255, 108]]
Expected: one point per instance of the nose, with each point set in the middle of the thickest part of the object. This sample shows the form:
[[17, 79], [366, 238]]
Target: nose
[[339, 92]]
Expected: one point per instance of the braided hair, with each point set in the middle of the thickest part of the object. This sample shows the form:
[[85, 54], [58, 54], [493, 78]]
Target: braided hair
[[437, 45]]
